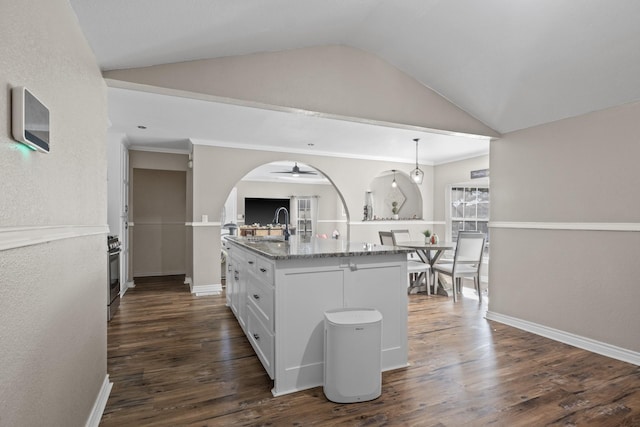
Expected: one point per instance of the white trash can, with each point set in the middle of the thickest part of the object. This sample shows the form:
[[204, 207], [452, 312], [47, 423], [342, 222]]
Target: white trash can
[[352, 354]]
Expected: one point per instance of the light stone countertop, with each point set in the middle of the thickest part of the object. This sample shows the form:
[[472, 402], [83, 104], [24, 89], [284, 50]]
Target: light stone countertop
[[277, 249]]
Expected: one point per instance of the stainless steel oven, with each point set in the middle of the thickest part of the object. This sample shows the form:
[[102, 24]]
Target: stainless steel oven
[[113, 282]]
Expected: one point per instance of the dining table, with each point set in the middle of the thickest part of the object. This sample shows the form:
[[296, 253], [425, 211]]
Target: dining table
[[430, 253]]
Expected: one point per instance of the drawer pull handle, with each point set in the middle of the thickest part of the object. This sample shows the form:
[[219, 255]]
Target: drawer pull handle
[[256, 337], [250, 262], [264, 270], [256, 296]]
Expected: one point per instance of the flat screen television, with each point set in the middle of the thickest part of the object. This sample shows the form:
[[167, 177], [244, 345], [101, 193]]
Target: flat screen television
[[261, 210], [29, 119]]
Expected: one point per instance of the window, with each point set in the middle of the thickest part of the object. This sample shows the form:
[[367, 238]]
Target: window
[[304, 225], [469, 211]]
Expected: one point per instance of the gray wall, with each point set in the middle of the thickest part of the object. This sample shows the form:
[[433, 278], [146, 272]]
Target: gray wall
[[557, 191], [53, 216], [337, 80]]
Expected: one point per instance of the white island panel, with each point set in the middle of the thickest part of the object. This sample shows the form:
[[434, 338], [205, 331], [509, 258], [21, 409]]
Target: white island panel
[[308, 280], [375, 285], [302, 297]]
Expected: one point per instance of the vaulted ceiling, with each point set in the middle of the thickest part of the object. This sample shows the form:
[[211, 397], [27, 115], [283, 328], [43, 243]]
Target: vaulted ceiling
[[510, 64]]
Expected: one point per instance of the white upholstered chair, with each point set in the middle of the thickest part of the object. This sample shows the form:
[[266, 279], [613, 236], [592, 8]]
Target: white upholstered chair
[[415, 267], [466, 262], [386, 238], [400, 236]]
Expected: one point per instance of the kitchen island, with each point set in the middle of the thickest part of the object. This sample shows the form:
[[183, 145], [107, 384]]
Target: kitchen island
[[279, 291]]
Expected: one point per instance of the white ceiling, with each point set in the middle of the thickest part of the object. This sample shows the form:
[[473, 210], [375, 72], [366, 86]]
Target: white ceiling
[[511, 64], [172, 122]]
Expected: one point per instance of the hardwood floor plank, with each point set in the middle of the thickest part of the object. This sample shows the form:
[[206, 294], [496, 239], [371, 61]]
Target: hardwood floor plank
[[180, 360]]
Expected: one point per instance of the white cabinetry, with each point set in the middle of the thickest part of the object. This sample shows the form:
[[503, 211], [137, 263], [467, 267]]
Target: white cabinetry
[[305, 289], [237, 284], [260, 305], [229, 273], [280, 305]]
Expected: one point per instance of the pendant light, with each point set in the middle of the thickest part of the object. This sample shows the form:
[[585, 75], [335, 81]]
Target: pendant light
[[417, 175], [394, 184]]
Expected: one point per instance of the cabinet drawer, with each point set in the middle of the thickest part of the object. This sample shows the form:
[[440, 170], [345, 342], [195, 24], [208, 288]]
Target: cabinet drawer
[[264, 270], [249, 261], [261, 341], [261, 297]]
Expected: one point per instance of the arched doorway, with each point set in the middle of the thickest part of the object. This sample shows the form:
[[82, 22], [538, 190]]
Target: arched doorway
[[316, 207]]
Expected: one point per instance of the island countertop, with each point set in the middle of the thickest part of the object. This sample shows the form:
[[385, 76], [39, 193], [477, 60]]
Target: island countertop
[[277, 249]]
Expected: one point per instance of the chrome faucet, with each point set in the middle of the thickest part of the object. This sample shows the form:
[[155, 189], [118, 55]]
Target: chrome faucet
[[276, 219]]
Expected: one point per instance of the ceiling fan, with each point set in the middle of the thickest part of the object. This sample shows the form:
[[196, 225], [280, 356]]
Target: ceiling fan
[[295, 171]]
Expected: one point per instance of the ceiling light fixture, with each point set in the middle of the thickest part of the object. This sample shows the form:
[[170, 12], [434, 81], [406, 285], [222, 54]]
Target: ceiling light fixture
[[394, 184], [417, 175], [296, 171]]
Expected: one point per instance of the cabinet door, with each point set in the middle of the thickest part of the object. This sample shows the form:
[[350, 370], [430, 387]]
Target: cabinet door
[[241, 288], [301, 300], [228, 278], [383, 287], [233, 284], [260, 295], [261, 340]]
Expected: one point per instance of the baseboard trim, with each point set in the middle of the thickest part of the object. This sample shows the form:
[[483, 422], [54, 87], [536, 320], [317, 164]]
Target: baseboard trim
[[584, 226], [18, 237], [159, 273], [205, 290], [101, 402], [584, 343], [126, 287], [378, 222]]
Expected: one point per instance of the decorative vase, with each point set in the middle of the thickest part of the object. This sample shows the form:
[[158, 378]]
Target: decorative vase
[[368, 202]]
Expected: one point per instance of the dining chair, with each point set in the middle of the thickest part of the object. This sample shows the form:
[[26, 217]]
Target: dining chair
[[400, 236], [467, 260], [386, 238], [415, 267]]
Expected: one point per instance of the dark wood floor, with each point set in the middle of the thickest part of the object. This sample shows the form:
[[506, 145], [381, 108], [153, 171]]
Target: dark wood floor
[[179, 360]]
